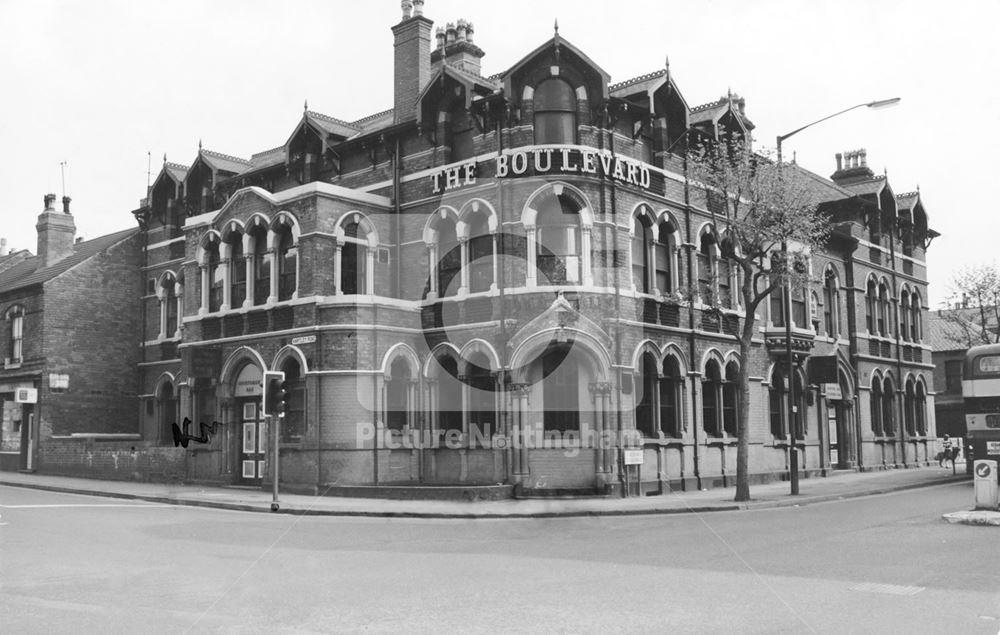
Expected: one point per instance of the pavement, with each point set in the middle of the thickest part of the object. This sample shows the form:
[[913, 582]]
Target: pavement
[[839, 485]]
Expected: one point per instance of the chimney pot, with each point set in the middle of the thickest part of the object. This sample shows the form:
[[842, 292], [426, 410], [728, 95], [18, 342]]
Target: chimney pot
[[66, 200], [840, 161], [468, 32], [418, 7], [450, 33], [863, 156], [460, 30], [50, 201], [407, 7]]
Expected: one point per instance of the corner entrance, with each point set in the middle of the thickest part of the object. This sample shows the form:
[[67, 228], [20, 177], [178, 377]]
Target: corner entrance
[[251, 425]]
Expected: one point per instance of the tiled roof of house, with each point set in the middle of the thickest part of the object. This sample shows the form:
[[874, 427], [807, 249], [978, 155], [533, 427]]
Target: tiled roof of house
[[954, 330], [27, 272], [176, 170], [872, 186], [224, 162], [274, 156], [332, 125], [375, 121], [907, 200], [641, 79], [821, 190]]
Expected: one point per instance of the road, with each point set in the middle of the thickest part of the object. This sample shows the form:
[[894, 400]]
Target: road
[[889, 563]]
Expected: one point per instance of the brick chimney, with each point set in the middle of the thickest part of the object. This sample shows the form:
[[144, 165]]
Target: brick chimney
[[412, 41], [55, 231], [456, 48], [852, 167]]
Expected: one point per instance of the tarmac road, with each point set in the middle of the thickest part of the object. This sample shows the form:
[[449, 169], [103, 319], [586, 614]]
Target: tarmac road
[[887, 563]]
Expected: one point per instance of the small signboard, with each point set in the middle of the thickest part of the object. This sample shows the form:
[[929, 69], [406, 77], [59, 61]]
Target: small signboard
[[248, 383], [633, 457], [833, 392], [305, 339], [823, 369], [26, 395], [993, 447]]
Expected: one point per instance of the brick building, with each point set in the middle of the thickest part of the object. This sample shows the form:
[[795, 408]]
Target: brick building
[[69, 349], [483, 284]]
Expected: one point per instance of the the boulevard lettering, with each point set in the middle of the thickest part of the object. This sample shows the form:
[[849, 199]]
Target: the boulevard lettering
[[541, 161]]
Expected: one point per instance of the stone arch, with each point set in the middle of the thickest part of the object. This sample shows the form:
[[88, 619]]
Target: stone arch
[[531, 349], [445, 212], [209, 237], [235, 362], [471, 207], [403, 351], [290, 351], [559, 188], [478, 345], [366, 224]]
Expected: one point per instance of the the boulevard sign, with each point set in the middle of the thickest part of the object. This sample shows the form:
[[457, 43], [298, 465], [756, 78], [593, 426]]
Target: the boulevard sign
[[561, 161]]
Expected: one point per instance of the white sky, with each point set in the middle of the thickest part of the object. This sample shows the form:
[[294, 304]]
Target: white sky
[[101, 83]]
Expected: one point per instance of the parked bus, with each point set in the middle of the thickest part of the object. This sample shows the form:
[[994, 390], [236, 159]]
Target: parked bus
[[981, 394]]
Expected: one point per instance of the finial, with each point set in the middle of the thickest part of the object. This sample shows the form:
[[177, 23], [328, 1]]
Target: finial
[[555, 27], [305, 105], [199, 145], [164, 158]]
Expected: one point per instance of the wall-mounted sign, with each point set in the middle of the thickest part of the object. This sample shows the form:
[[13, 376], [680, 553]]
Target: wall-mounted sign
[[833, 392], [58, 381], [558, 161], [305, 339], [26, 395], [248, 383], [633, 457]]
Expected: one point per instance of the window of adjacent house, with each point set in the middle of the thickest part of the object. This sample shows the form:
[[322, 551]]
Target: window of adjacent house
[[876, 408], [482, 397], [449, 265], [778, 405], [555, 112], [711, 399], [831, 305], [888, 412], [706, 268], [287, 258], [170, 306], [883, 310], [730, 399], [916, 327], [293, 425], [777, 302], [216, 277], [16, 351], [661, 252], [449, 394], [799, 311], [871, 307], [904, 315]]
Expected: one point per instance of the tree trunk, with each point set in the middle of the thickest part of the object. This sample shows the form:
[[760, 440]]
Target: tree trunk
[[743, 417]]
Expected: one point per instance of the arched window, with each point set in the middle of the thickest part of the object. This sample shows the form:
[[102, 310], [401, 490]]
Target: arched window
[[166, 408], [560, 390], [920, 410], [888, 411], [799, 311], [260, 264], [916, 323], [482, 397], [904, 314], [883, 310], [831, 304], [449, 394], [706, 268], [214, 278], [15, 349], [557, 255], [237, 271], [354, 259], [871, 307], [168, 303], [909, 408], [293, 425], [730, 399], [449, 263], [711, 399], [287, 259], [397, 395], [461, 133], [646, 397], [670, 398], [642, 238], [555, 112], [878, 427], [778, 404], [663, 253], [480, 252]]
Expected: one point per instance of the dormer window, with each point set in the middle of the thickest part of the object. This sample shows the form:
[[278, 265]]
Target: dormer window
[[555, 112]]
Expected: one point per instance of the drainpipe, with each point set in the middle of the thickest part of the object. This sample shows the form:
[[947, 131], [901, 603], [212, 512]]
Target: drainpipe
[[900, 385], [498, 248], [691, 339]]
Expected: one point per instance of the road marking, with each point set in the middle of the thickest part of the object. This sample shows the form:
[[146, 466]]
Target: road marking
[[890, 589], [68, 505]]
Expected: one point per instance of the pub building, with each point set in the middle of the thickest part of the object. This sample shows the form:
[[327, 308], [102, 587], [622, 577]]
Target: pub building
[[484, 287]]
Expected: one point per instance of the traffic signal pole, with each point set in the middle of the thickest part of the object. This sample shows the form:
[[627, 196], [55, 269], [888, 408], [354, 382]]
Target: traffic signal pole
[[275, 394], [275, 422]]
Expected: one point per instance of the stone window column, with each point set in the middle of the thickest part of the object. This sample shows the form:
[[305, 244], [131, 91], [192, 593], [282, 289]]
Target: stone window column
[[227, 292], [463, 245], [587, 275], [432, 260], [496, 279], [205, 284], [248, 289], [337, 268], [531, 272], [179, 298], [272, 257]]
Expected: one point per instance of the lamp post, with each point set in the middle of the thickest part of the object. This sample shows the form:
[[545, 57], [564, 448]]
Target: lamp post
[[786, 292]]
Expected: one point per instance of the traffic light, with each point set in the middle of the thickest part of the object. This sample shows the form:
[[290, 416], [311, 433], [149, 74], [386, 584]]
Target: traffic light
[[273, 382], [281, 398]]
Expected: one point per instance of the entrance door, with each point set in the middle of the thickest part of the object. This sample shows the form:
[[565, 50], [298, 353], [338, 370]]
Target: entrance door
[[253, 442], [27, 437]]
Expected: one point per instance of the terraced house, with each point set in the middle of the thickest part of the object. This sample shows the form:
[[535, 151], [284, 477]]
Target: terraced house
[[486, 284]]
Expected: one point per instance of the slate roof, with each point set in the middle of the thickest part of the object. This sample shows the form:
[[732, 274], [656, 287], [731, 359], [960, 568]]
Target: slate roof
[[822, 190], [907, 200], [332, 125], [872, 186], [375, 121], [274, 156], [28, 273], [633, 83], [224, 162], [176, 170], [950, 330]]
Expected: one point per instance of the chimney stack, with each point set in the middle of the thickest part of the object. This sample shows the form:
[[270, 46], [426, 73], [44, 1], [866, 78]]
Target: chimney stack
[[456, 48], [55, 231], [412, 41]]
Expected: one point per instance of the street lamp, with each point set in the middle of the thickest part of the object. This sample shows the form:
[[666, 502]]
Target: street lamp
[[786, 292]]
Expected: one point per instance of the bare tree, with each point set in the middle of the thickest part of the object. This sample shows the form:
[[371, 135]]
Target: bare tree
[[977, 315], [769, 226]]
